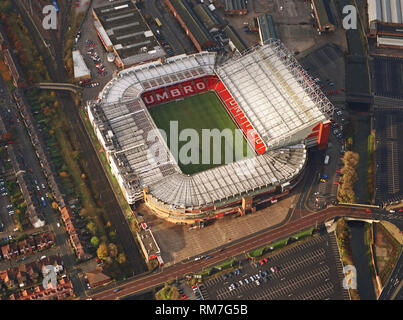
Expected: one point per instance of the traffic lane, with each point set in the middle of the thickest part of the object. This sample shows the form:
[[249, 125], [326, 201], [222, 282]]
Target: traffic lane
[[232, 250], [394, 280]]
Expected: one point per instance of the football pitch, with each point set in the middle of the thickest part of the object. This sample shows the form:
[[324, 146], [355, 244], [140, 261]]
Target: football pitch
[[203, 111]]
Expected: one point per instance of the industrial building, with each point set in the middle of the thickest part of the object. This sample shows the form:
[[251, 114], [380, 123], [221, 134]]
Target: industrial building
[[235, 42], [81, 71], [266, 28], [235, 7], [123, 30], [207, 18], [323, 18], [385, 19], [190, 22]]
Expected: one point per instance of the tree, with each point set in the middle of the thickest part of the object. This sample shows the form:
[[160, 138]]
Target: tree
[[83, 212], [121, 258], [102, 251], [92, 227], [113, 250], [95, 241], [112, 236]]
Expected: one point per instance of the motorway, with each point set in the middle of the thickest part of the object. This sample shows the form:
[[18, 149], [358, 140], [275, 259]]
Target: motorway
[[181, 269]]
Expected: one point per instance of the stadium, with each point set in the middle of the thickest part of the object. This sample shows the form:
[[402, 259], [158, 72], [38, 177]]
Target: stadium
[[263, 93]]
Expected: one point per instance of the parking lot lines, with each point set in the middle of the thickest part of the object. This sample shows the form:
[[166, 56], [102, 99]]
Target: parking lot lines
[[288, 287], [320, 293], [305, 271]]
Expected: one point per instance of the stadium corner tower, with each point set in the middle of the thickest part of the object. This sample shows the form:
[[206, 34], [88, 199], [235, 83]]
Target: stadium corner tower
[[268, 95]]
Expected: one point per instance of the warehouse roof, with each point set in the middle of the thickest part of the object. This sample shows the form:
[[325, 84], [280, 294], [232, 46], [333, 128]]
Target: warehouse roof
[[80, 68], [323, 17], [230, 5], [235, 39], [191, 21], [266, 28], [205, 16], [130, 35]]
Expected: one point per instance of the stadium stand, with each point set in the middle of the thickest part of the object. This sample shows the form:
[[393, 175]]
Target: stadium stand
[[277, 111]]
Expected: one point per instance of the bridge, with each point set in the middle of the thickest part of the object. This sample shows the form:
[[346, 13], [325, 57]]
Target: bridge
[[58, 86]]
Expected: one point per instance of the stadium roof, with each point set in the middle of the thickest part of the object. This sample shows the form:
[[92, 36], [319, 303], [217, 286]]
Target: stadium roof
[[390, 11], [122, 25], [276, 97], [131, 82], [269, 88]]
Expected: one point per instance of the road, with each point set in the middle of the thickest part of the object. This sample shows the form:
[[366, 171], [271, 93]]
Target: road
[[179, 270], [93, 165], [393, 287], [171, 30], [26, 151]]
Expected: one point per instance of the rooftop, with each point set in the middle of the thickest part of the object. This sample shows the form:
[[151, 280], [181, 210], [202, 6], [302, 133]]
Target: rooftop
[[191, 21], [122, 25], [80, 68], [268, 84], [276, 97], [235, 39]]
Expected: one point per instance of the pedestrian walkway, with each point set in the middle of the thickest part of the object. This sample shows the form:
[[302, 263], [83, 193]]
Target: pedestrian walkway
[[394, 231]]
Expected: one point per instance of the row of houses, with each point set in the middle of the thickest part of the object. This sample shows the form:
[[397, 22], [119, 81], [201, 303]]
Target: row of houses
[[47, 167], [31, 245], [25, 281], [68, 219], [10, 60], [34, 209]]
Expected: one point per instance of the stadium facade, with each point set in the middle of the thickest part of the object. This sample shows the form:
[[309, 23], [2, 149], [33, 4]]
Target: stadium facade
[[280, 111]]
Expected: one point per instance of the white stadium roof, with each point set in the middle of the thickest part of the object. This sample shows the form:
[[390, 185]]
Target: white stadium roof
[[280, 103], [390, 11], [274, 94], [132, 81]]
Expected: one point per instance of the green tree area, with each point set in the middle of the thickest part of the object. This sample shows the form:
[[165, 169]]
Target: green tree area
[[343, 235], [71, 169], [168, 292], [346, 192], [18, 36]]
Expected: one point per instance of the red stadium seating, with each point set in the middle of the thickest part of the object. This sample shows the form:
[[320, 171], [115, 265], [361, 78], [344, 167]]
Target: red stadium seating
[[188, 88]]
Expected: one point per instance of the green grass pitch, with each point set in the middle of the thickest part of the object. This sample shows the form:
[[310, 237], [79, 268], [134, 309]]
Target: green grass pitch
[[203, 111]]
